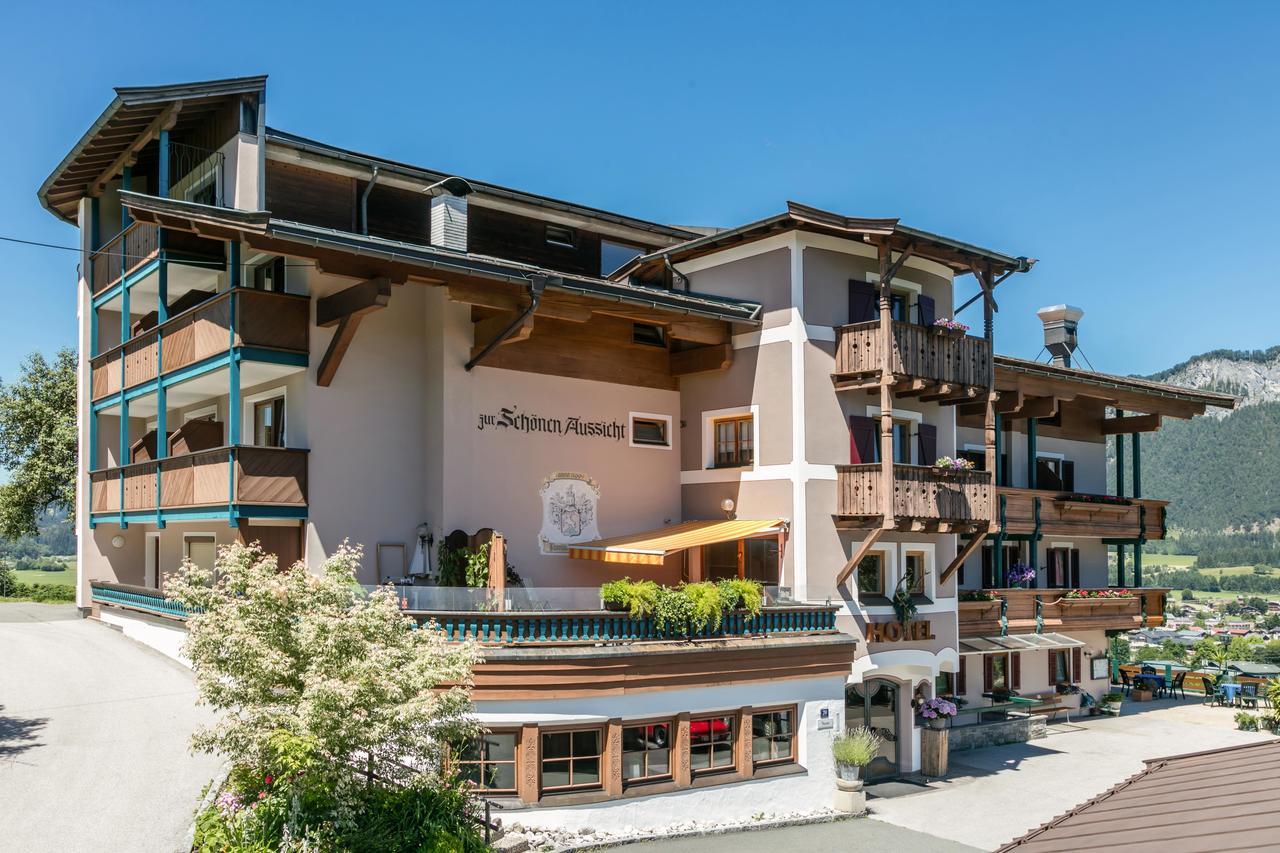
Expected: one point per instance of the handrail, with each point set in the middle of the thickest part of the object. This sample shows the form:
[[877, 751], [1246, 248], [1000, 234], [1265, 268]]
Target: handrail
[[211, 451]]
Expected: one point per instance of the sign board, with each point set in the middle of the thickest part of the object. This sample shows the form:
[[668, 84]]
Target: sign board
[[916, 630], [1100, 667], [824, 719]]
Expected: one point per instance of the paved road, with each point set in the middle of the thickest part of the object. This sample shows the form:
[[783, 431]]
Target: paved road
[[93, 737], [838, 836]]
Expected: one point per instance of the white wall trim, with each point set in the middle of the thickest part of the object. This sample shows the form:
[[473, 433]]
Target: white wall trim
[[805, 239], [930, 565], [736, 253], [202, 412], [862, 250], [898, 414], [652, 416], [1049, 454], [786, 333], [799, 537], [898, 282], [246, 417]]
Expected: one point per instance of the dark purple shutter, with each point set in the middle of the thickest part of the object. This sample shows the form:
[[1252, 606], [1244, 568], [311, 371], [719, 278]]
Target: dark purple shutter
[[925, 310], [862, 440], [1053, 668], [988, 679], [863, 301], [928, 438], [1075, 665], [1075, 568], [961, 687], [1068, 476], [1015, 664], [988, 569]]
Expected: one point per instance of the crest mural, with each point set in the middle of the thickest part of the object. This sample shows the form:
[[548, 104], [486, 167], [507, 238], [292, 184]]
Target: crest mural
[[568, 511]]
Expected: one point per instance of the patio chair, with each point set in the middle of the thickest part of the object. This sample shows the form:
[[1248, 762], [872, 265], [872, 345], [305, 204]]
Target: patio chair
[[1148, 669], [1211, 694], [1177, 687], [1249, 696], [1126, 683]]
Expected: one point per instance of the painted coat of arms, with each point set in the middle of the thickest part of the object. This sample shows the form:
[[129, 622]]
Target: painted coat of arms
[[568, 511]]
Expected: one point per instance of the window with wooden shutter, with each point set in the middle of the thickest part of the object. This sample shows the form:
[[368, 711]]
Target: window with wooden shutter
[[863, 301], [988, 675], [1068, 475], [1075, 665], [1015, 671], [925, 310], [1075, 568], [862, 440], [927, 438], [962, 686]]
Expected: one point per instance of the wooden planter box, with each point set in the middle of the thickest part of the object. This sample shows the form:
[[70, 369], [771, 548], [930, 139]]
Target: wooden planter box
[[1139, 695]]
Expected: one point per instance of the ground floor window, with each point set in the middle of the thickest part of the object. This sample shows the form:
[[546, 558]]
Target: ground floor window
[[997, 672], [489, 762], [773, 736], [711, 744], [871, 574], [944, 684], [752, 559], [201, 549], [646, 752], [1059, 667], [571, 759]]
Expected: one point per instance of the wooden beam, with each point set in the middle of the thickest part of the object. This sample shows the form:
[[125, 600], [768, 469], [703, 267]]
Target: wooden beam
[[165, 121], [974, 544], [338, 346], [700, 331], [912, 387], [907, 252], [357, 300], [941, 391], [1130, 423], [873, 536], [701, 359], [489, 328], [1009, 401], [1035, 407]]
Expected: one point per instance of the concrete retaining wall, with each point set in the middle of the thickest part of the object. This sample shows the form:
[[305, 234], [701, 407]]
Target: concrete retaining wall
[[1012, 730]]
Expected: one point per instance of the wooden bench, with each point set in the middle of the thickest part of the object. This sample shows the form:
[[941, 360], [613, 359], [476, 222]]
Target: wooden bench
[[1050, 706]]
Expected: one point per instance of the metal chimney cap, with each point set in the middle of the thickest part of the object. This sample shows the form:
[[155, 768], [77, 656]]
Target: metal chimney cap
[[1060, 314]]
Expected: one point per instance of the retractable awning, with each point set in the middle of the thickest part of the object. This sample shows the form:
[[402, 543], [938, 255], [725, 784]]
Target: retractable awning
[[1016, 643], [653, 547]]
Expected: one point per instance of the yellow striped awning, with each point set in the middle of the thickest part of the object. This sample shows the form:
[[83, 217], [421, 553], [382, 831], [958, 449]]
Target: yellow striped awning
[[653, 547]]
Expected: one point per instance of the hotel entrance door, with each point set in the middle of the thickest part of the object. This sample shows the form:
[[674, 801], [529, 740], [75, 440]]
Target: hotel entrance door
[[874, 704]]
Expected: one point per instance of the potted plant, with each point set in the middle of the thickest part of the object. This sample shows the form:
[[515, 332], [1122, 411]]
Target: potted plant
[[636, 597], [949, 327], [946, 466], [904, 604], [1021, 575], [1111, 703], [937, 711], [1246, 722], [854, 750]]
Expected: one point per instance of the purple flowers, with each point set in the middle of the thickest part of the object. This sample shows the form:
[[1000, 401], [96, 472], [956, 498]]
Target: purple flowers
[[228, 803], [948, 323], [946, 463], [1021, 573], [934, 709]]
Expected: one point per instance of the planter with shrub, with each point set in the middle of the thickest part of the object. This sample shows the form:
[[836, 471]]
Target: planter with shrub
[[854, 750]]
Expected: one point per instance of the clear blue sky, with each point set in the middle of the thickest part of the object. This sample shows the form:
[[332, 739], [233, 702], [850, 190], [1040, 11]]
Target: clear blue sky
[[1134, 151]]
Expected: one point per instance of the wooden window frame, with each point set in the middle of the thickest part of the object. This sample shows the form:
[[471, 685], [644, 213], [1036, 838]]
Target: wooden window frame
[[883, 557], [276, 428], [734, 735], [790, 758], [737, 420], [1063, 655], [570, 240], [742, 555], [648, 778], [602, 770], [663, 421], [923, 588], [1007, 671], [454, 762]]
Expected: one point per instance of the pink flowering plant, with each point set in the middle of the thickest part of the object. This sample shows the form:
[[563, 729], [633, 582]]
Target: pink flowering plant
[[959, 463], [934, 709], [950, 324], [1099, 593]]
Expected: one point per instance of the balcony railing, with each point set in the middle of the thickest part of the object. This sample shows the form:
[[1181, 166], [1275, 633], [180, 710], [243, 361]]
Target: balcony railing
[[276, 321], [1031, 611], [122, 254], [919, 492], [1054, 513], [141, 598], [195, 174], [918, 352], [258, 476]]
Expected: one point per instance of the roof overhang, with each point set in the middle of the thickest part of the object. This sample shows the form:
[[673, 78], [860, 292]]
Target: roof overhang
[[132, 117], [653, 547], [960, 257]]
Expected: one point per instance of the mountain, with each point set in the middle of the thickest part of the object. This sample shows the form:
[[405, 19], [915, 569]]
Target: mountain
[[1221, 471]]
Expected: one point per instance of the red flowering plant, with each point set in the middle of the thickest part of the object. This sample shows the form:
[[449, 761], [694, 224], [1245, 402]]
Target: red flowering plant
[[1099, 593]]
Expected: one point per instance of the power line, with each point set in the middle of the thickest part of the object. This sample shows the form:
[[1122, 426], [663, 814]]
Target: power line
[[121, 255]]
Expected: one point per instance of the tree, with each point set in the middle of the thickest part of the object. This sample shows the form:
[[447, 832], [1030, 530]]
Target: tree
[[1268, 652], [1188, 595], [324, 693], [38, 442], [1120, 649]]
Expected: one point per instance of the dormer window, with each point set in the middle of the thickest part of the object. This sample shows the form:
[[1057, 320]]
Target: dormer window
[[565, 238]]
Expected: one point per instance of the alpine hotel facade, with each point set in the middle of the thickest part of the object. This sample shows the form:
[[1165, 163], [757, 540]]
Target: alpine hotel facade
[[287, 342]]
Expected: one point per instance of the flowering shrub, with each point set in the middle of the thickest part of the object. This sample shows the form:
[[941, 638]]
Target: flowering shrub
[[934, 709], [1098, 593], [946, 463], [948, 323], [1021, 573]]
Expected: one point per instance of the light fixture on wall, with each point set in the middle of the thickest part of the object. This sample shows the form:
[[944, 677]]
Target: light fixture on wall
[[117, 541], [727, 505]]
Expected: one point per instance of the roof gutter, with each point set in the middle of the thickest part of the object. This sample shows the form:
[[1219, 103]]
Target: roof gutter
[[535, 296], [364, 201]]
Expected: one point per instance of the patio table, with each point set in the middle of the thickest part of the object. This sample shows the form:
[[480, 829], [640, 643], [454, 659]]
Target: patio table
[[1229, 691]]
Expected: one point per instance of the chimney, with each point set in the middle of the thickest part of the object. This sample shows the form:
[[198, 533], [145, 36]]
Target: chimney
[[1060, 322], [449, 221]]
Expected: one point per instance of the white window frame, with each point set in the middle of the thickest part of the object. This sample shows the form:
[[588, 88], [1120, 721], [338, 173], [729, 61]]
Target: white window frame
[[916, 290], [891, 573], [709, 418], [649, 416], [246, 415], [194, 414], [913, 442], [930, 566]]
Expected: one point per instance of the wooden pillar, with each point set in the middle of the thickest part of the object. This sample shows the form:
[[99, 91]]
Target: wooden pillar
[[1031, 454], [498, 571], [886, 388], [694, 564], [680, 772], [612, 758], [990, 426], [745, 763], [527, 780], [1119, 459], [1136, 438]]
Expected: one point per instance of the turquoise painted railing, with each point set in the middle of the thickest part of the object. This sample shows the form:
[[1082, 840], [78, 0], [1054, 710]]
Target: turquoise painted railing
[[520, 627], [137, 598]]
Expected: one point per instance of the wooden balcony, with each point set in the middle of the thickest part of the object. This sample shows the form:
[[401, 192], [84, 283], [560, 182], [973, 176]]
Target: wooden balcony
[[131, 249], [1030, 611], [1062, 514], [263, 320], [946, 367], [922, 497], [244, 475]]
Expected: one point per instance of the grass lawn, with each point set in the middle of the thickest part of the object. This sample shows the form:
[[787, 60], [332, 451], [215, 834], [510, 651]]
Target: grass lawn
[[66, 576], [1173, 561]]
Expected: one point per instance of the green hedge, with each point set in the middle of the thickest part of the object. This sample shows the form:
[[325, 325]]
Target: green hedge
[[43, 592]]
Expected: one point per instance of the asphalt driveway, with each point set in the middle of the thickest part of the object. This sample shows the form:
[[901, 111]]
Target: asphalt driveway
[[93, 737]]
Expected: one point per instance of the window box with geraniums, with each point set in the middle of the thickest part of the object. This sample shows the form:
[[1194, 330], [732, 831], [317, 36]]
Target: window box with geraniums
[[946, 466], [950, 328], [1116, 598], [936, 712]]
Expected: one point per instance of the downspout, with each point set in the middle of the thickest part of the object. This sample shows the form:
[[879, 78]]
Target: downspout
[[364, 201], [535, 296], [675, 273]]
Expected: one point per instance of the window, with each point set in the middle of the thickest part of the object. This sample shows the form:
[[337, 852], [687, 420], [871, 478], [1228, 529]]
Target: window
[[871, 574], [571, 759], [248, 116], [1012, 554], [752, 559], [711, 744], [558, 235], [646, 752], [200, 548], [899, 304], [614, 255], [999, 671], [914, 565], [1060, 662], [734, 442], [978, 456], [772, 736], [489, 762], [268, 423], [650, 430], [720, 561], [944, 684], [269, 276], [648, 335], [1062, 567], [1055, 474]]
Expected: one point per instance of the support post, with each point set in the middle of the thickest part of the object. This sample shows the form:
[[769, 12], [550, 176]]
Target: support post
[[126, 179], [1031, 454], [162, 444], [886, 387], [1119, 460], [163, 183], [1120, 572], [234, 414], [991, 422], [998, 444], [1136, 438]]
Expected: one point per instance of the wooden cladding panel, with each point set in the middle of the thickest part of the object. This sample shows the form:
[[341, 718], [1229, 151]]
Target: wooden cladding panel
[[125, 252], [272, 320], [519, 238], [104, 376], [139, 486], [141, 360], [300, 194], [919, 491], [271, 476], [1080, 518], [196, 479], [201, 333], [397, 214], [1059, 614], [918, 352], [104, 491]]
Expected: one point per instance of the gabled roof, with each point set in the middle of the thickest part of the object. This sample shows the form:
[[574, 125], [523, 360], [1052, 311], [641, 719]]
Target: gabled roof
[[133, 111], [1222, 799], [1120, 384], [957, 255]]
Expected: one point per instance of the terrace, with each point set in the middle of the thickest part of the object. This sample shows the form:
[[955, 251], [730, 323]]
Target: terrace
[[1035, 611]]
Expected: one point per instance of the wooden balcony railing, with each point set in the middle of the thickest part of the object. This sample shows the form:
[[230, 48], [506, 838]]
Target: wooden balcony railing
[[278, 321], [1031, 611], [275, 476], [1063, 514], [918, 352], [919, 492], [122, 254]]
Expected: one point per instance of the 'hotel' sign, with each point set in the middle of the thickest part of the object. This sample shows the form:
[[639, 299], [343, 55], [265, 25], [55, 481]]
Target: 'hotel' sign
[[896, 632]]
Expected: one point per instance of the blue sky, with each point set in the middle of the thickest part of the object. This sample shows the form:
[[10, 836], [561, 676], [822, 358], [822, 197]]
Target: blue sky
[[1134, 154]]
